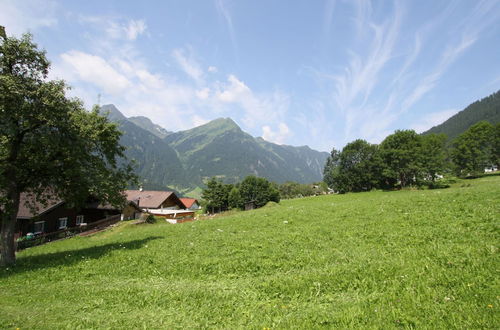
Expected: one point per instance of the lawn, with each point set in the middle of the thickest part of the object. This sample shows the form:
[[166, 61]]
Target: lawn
[[409, 259]]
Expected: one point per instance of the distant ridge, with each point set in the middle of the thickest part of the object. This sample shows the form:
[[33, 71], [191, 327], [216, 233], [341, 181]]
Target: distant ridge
[[487, 109], [184, 160]]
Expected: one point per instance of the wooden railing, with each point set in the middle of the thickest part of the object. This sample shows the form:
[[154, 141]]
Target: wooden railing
[[67, 232]]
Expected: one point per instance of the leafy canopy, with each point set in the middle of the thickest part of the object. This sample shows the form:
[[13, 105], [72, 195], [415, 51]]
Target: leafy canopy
[[49, 144]]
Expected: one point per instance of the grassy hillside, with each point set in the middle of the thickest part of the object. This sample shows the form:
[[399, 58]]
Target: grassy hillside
[[426, 259]]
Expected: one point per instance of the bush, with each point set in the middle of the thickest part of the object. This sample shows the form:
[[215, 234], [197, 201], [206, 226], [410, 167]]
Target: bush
[[148, 218]]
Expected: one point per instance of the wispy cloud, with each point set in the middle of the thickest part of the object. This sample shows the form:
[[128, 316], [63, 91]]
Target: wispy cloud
[[188, 64], [223, 11], [385, 75]]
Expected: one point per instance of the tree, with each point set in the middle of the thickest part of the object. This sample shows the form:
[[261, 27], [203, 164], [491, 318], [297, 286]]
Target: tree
[[474, 149], [496, 145], [401, 153], [234, 199], [358, 166], [433, 155], [49, 144], [216, 195], [331, 167], [258, 190]]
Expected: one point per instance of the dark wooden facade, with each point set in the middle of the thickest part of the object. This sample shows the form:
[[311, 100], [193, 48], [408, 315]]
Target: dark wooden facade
[[51, 219]]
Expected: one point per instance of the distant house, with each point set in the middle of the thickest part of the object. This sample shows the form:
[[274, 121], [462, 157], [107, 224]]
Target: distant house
[[54, 215], [161, 203], [490, 169], [190, 203]]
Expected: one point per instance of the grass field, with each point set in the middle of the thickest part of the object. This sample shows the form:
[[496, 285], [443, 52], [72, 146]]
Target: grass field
[[410, 259]]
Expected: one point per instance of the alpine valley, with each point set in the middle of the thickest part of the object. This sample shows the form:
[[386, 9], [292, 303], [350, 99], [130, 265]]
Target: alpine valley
[[184, 160]]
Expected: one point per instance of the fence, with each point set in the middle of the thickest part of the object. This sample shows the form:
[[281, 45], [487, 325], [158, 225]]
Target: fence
[[67, 232]]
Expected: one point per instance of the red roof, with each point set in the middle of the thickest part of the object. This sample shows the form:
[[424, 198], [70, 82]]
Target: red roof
[[188, 202], [148, 198]]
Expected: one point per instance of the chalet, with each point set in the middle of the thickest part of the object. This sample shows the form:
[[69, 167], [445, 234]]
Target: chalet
[[55, 214], [190, 203], [160, 203]]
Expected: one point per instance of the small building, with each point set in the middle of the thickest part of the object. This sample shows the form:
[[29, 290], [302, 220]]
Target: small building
[[164, 204], [250, 205], [190, 203], [55, 214]]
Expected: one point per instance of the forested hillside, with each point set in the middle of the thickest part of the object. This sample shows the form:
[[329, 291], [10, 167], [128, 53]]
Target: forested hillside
[[486, 109]]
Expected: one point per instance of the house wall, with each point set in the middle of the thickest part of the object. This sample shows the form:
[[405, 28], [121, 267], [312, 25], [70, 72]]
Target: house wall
[[52, 217]]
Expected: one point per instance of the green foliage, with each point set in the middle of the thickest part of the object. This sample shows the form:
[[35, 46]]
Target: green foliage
[[258, 190], [216, 196], [234, 199], [487, 109], [294, 190], [378, 260], [331, 168], [403, 158], [220, 197], [433, 155], [474, 149], [148, 218], [358, 169], [50, 141], [400, 153]]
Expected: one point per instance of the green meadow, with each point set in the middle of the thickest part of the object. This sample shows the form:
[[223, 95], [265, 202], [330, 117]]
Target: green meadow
[[402, 259]]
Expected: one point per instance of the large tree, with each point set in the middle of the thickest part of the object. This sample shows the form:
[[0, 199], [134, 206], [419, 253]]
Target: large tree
[[258, 191], [49, 144], [401, 154], [474, 149]]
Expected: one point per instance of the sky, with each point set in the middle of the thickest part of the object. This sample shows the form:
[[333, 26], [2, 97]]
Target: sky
[[311, 72]]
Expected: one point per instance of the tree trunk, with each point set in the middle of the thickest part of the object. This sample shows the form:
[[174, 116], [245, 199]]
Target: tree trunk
[[9, 217]]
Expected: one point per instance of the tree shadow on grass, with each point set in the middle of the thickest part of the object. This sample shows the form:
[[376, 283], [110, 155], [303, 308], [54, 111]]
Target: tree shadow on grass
[[70, 257]]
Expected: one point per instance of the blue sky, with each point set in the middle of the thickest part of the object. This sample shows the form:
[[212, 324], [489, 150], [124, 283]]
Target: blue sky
[[321, 73]]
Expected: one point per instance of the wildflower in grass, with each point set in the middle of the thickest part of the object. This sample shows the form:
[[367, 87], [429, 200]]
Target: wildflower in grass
[[490, 306]]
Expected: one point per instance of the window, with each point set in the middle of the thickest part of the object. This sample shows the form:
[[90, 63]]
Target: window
[[79, 219], [63, 223], [39, 227]]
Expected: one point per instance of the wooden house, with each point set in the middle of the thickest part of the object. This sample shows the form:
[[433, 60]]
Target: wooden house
[[164, 204], [55, 214]]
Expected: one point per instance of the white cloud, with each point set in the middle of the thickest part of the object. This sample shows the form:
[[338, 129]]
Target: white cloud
[[135, 28], [203, 94], [22, 16], [258, 107], [278, 136], [212, 69], [430, 120], [94, 69]]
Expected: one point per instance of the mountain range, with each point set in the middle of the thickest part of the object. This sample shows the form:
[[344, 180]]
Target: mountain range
[[184, 160]]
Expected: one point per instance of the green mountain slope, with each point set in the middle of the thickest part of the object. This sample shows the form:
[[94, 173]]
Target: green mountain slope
[[148, 125], [486, 109], [220, 148], [156, 163], [183, 160]]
